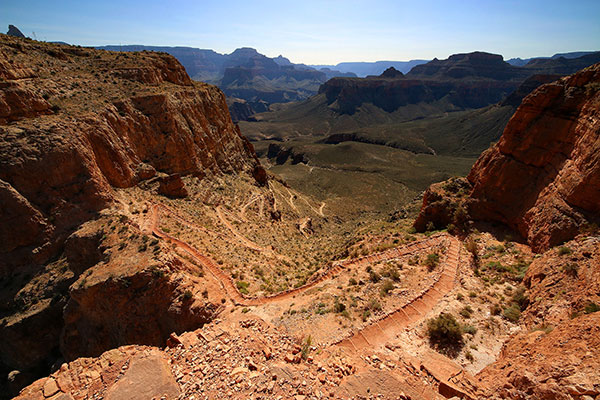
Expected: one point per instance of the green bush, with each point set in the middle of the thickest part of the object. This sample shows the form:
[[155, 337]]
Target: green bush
[[444, 331], [564, 250], [591, 308], [339, 307], [512, 313], [386, 287], [432, 261], [466, 311], [242, 286]]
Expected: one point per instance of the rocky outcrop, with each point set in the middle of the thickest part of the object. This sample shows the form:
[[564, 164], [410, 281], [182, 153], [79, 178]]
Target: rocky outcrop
[[76, 125], [563, 283], [281, 154], [14, 31], [463, 81], [543, 177], [555, 354], [242, 110], [444, 206], [528, 86], [134, 305], [560, 364], [468, 65], [172, 186], [391, 72], [156, 118]]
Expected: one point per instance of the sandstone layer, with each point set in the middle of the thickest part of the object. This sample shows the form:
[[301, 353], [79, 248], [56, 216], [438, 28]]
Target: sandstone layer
[[76, 125], [542, 178]]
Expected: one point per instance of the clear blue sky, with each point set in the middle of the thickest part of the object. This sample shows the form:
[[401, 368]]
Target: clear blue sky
[[320, 31]]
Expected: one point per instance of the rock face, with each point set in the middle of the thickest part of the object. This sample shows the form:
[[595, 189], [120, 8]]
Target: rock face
[[543, 177], [75, 126], [140, 306], [463, 81], [476, 64], [247, 74], [242, 110], [172, 186], [149, 115], [560, 364], [555, 355]]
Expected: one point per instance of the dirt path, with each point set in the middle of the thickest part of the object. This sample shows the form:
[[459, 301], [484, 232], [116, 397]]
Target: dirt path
[[244, 240], [321, 209], [382, 330], [245, 206], [239, 299]]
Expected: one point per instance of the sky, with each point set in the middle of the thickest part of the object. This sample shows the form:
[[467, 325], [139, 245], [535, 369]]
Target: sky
[[319, 32]]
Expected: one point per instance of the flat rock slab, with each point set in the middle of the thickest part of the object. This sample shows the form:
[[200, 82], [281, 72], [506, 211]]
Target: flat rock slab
[[148, 377], [374, 383]]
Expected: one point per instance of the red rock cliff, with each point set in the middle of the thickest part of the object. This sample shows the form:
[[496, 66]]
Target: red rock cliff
[[76, 122], [543, 176]]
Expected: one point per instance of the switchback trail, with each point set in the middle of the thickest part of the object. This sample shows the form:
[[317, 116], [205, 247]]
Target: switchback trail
[[382, 330], [240, 299]]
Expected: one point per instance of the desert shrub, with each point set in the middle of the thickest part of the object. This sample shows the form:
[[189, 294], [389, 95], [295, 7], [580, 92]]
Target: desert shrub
[[460, 297], [471, 246], [374, 276], [520, 298], [391, 272], [386, 287], [512, 313], [242, 286], [187, 295], [432, 261], [469, 329], [339, 307], [306, 347], [466, 312], [570, 269], [365, 315], [591, 308], [373, 305], [495, 309], [352, 282], [469, 356], [444, 331], [564, 250]]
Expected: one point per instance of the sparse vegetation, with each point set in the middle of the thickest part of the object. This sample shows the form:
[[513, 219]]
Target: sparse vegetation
[[445, 332], [306, 347], [591, 307], [512, 313], [432, 261], [242, 286], [386, 287], [564, 250]]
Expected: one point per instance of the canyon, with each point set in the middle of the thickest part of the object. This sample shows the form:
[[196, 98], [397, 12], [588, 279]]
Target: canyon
[[152, 248]]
